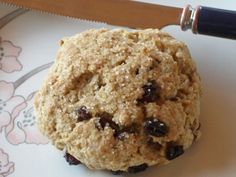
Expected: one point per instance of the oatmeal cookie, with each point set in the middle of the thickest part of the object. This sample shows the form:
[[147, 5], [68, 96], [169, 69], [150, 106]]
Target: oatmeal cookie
[[120, 100]]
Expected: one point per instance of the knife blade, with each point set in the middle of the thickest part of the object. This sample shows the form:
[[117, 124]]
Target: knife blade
[[115, 12], [201, 20]]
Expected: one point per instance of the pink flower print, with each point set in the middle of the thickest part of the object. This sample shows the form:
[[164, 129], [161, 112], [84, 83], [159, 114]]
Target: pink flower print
[[6, 90], [6, 167], [9, 54], [10, 109], [23, 129], [9, 104], [19, 125]]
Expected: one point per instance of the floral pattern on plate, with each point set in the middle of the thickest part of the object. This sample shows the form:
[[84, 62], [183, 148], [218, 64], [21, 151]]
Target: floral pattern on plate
[[9, 54], [6, 166], [17, 120]]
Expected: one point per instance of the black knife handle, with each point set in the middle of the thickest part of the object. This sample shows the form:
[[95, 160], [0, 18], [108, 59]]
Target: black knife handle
[[210, 21]]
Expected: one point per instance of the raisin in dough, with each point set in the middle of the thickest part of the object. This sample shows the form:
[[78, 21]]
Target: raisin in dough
[[121, 100]]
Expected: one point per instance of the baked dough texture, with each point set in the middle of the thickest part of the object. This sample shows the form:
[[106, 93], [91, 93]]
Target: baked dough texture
[[121, 100]]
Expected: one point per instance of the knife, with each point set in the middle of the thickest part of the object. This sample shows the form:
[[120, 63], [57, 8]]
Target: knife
[[201, 20]]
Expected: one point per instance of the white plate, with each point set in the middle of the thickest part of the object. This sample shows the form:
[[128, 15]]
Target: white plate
[[30, 42]]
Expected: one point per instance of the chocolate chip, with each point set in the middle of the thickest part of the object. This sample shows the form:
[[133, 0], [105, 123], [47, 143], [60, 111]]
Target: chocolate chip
[[152, 144], [131, 129], [106, 119], [104, 115], [151, 92], [173, 150], [139, 168], [155, 127], [174, 99], [83, 114], [71, 159], [119, 172], [102, 122]]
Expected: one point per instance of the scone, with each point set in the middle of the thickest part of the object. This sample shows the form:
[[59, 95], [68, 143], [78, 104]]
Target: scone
[[120, 100]]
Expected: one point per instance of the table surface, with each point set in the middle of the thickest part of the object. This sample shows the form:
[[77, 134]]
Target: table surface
[[29, 43]]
